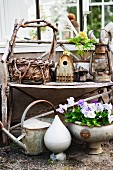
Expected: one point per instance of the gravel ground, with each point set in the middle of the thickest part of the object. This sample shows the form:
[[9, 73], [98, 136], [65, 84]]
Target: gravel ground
[[12, 158]]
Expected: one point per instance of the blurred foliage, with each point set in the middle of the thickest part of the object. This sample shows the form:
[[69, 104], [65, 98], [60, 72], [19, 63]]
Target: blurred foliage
[[95, 17], [72, 10], [96, 0], [94, 20], [108, 14]]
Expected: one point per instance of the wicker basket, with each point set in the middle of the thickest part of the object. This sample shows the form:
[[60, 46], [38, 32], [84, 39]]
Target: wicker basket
[[30, 70]]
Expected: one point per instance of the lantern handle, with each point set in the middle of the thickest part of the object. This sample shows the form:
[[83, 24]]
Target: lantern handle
[[102, 36], [109, 63], [90, 65]]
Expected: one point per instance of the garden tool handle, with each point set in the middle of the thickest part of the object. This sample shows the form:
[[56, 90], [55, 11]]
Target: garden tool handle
[[32, 104], [1, 125]]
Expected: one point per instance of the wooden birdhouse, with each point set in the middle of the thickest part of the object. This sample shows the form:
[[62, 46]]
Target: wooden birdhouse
[[65, 69]]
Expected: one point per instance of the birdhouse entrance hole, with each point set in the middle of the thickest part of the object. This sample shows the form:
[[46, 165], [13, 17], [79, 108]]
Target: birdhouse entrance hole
[[65, 63]]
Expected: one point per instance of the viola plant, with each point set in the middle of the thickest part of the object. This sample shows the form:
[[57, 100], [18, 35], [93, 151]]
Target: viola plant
[[89, 114], [83, 43]]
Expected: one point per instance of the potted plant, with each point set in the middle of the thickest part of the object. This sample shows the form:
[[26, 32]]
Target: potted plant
[[83, 43], [84, 46], [89, 122]]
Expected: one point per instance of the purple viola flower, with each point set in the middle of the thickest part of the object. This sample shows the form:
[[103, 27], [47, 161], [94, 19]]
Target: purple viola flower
[[81, 102], [95, 101]]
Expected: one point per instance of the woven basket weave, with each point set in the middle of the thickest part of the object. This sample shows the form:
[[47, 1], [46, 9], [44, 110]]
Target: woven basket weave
[[29, 70]]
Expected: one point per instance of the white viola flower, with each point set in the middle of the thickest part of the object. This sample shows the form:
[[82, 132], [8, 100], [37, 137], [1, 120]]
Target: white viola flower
[[109, 111], [91, 114], [84, 108], [109, 114], [85, 104], [62, 108], [107, 106], [71, 101], [85, 111], [110, 105], [110, 118], [92, 106], [99, 107]]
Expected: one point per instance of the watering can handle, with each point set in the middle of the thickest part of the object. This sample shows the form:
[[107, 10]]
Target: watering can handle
[[32, 104]]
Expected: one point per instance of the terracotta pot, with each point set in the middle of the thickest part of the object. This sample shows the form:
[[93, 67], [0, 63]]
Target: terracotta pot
[[93, 136]]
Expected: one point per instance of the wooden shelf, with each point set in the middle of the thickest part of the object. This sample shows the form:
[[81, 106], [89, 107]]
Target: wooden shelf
[[56, 85]]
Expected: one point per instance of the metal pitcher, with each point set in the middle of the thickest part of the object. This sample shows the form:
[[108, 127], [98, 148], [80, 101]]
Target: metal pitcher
[[33, 131]]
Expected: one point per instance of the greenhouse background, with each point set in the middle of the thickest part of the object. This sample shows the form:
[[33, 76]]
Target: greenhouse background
[[96, 14]]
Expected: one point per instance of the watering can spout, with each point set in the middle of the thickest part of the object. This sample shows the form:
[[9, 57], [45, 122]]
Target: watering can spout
[[13, 138]]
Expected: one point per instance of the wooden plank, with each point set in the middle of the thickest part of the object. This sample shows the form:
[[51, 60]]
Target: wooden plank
[[42, 41], [56, 85], [4, 98]]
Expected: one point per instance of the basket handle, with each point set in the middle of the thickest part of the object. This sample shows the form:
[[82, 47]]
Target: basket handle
[[34, 23], [39, 23], [32, 104]]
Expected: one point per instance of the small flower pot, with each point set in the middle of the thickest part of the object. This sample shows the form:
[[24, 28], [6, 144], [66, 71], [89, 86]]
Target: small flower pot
[[85, 65]]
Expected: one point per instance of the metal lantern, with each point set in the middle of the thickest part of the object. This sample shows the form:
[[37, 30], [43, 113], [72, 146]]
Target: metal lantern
[[100, 63]]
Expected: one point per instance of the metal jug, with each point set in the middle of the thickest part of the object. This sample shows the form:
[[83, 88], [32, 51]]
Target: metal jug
[[33, 131]]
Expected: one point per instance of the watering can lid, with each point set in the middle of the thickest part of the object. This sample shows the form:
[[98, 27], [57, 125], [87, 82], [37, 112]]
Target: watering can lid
[[34, 123]]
